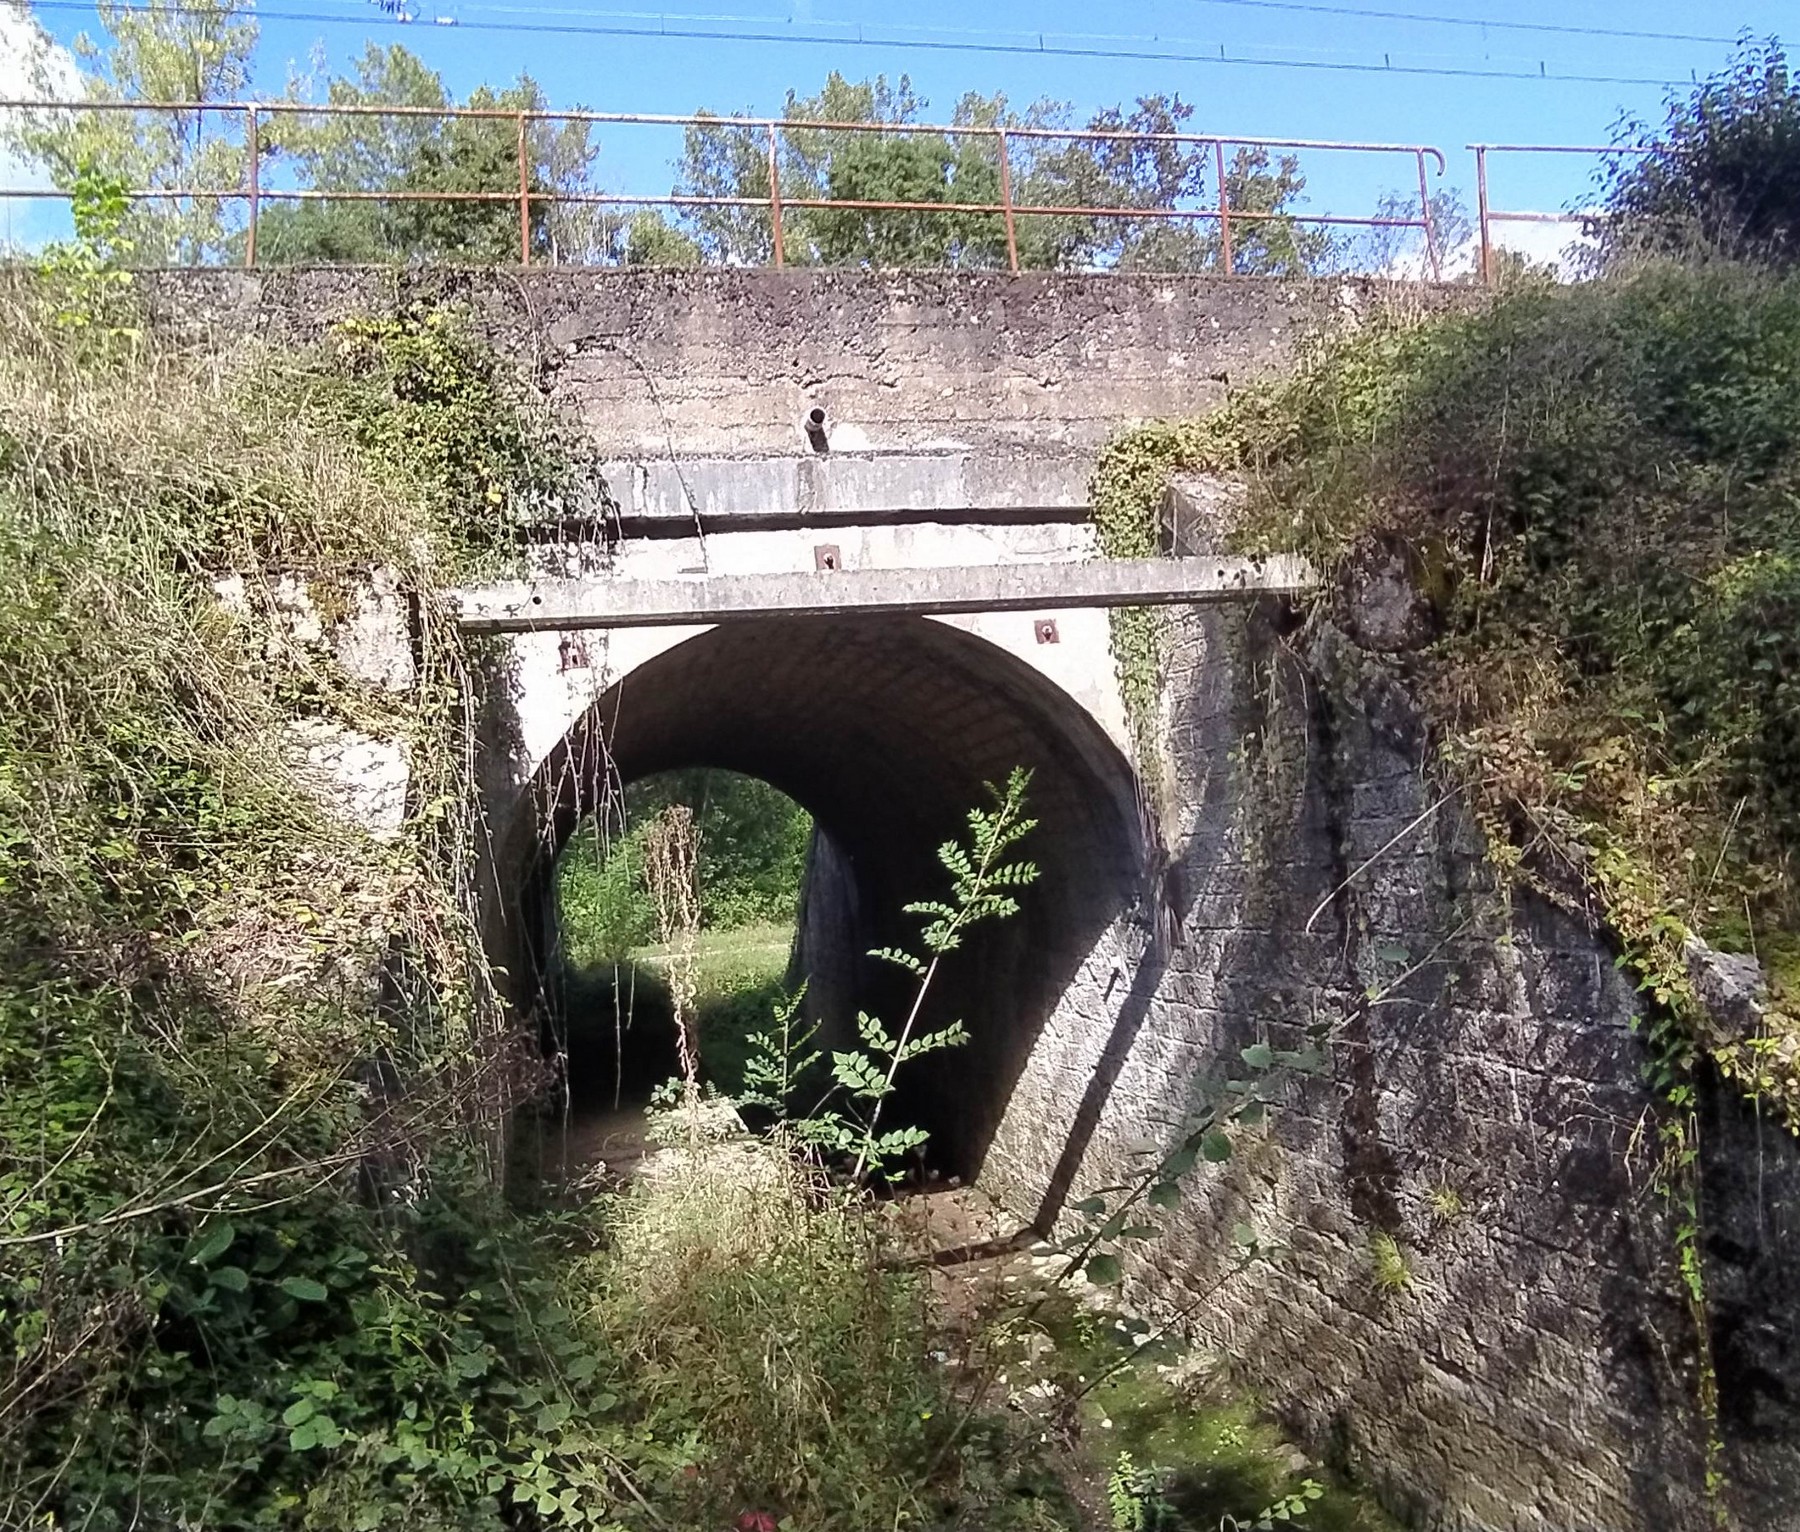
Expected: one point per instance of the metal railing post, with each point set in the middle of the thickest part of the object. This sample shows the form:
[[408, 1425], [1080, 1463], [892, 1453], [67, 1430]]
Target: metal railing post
[[1012, 233], [1481, 215], [524, 199], [1225, 259], [1006, 205], [1431, 248], [252, 148], [775, 197]]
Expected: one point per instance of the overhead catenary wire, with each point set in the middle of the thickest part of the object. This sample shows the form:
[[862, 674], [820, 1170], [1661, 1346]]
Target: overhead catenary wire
[[1043, 47], [849, 29], [1483, 23]]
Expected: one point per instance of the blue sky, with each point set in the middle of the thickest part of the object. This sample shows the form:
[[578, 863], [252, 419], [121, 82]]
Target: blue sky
[[673, 74]]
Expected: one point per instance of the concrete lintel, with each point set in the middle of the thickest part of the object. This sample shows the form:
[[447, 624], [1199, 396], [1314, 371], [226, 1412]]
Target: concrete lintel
[[890, 486], [519, 606]]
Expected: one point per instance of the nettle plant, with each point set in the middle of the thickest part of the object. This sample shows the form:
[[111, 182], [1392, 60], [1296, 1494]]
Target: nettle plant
[[846, 1122], [90, 287]]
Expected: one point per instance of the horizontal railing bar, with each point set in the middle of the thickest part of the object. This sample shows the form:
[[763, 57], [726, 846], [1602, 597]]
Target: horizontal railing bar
[[1564, 148], [1496, 216], [621, 199], [657, 119]]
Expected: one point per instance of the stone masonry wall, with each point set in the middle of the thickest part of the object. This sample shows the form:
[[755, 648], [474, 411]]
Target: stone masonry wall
[[1482, 1107]]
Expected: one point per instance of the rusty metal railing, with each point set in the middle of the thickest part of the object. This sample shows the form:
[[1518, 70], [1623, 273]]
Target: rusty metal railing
[[253, 191], [1487, 215]]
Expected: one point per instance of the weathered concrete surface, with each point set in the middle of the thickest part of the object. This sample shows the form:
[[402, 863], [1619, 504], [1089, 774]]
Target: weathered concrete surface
[[694, 364], [603, 601], [845, 487]]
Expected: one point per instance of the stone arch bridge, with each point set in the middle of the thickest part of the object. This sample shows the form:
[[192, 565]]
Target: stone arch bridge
[[878, 622]]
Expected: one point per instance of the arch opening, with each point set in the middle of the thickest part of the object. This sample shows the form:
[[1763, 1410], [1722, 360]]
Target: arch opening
[[610, 1016], [885, 731]]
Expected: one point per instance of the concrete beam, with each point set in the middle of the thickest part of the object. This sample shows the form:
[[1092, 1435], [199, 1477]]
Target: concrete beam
[[803, 489], [522, 606]]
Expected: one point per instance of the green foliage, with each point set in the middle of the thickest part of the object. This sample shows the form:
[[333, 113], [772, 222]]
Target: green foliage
[[418, 152], [1134, 1498], [85, 279], [771, 1337], [1390, 1271], [982, 887], [1290, 1508], [1722, 177], [752, 856], [1202, 1451], [650, 241], [1112, 1217], [723, 160], [1595, 486], [780, 1057], [431, 407], [603, 905], [1446, 1203], [150, 54], [1129, 481]]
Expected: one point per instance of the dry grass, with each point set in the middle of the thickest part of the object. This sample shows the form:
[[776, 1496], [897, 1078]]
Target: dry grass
[[758, 1296]]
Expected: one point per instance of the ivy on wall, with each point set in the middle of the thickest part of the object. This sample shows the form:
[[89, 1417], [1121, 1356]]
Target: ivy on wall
[[1595, 492]]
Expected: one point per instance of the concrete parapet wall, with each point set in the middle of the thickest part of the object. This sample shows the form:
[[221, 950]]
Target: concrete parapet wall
[[662, 364]]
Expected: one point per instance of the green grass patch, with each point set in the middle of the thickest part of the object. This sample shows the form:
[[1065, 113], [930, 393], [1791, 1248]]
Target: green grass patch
[[1210, 1452]]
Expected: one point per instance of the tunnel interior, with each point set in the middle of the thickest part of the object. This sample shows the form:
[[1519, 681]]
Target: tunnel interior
[[886, 731]]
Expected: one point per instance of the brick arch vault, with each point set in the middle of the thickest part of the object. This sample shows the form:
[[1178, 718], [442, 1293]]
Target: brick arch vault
[[886, 730]]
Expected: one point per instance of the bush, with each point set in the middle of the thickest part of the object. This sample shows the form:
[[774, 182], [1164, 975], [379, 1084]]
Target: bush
[[1598, 487], [753, 841], [1722, 175], [756, 1302]]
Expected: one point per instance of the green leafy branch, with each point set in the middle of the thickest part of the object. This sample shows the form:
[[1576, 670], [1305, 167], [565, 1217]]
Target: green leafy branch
[[87, 275], [983, 887]]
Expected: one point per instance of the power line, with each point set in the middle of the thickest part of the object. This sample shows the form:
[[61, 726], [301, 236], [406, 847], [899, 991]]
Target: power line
[[1044, 48], [849, 28], [1484, 22]]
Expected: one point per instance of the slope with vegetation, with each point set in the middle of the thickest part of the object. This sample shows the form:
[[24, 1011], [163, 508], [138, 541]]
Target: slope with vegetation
[[200, 1326], [1594, 492]]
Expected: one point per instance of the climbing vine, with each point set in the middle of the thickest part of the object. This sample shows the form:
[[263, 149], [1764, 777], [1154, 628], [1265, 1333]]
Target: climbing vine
[[1130, 483], [1594, 493], [249, 1264]]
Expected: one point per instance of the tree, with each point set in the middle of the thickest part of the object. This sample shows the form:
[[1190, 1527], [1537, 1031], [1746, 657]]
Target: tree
[[725, 160], [1722, 175], [1121, 168], [415, 151], [1392, 251], [1118, 172], [650, 240], [197, 55], [1270, 244]]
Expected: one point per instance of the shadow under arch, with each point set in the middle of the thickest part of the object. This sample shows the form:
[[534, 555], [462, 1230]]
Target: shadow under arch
[[885, 730]]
